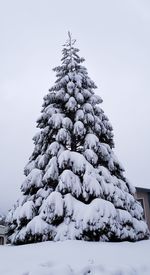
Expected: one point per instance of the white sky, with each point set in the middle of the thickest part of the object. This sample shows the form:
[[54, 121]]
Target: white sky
[[114, 38]]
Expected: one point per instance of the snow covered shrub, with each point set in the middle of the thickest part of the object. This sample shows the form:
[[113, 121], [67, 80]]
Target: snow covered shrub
[[75, 187]]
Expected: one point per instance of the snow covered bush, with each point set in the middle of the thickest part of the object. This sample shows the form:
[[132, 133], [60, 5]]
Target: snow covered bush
[[75, 187]]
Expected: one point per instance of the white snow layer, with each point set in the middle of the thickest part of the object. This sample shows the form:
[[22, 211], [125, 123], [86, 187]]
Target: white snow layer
[[76, 258]]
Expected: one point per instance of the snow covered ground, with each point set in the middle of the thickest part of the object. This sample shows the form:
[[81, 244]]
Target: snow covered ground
[[76, 258]]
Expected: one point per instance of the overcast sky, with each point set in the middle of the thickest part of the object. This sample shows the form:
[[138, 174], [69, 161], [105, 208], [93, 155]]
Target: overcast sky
[[114, 38]]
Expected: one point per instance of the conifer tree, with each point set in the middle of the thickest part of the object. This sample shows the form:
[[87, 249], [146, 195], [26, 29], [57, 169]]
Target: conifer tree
[[74, 185]]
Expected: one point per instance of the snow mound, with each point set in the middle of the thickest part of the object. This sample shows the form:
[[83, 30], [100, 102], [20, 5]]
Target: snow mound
[[90, 269], [76, 258]]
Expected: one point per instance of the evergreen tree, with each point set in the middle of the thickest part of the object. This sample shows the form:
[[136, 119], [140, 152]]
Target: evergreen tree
[[75, 187], [2, 219]]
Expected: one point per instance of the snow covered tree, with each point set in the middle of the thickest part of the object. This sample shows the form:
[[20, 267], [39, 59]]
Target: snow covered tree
[[2, 219], [75, 187]]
